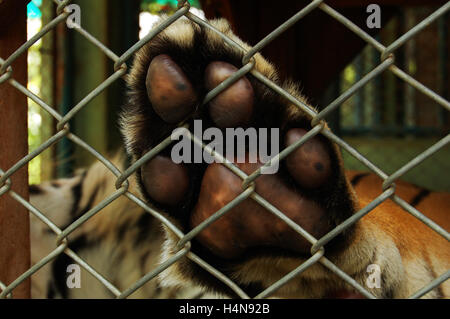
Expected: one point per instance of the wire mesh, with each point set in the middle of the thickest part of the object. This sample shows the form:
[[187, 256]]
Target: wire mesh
[[387, 62]]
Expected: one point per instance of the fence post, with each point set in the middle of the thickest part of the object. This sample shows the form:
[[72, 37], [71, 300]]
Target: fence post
[[14, 218]]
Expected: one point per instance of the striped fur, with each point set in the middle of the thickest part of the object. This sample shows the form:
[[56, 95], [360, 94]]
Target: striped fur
[[122, 242]]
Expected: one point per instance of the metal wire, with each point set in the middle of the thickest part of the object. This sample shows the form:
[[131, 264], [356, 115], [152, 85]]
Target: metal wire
[[387, 62]]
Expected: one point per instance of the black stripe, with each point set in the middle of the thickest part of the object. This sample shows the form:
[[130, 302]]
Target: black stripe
[[59, 269], [90, 201], [35, 190], [357, 178], [158, 291], [76, 193], [143, 225], [51, 293], [388, 292], [127, 160], [253, 289], [143, 262], [438, 290], [55, 184], [198, 295], [122, 230], [419, 197]]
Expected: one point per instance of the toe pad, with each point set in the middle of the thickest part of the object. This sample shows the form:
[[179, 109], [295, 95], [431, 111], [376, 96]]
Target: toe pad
[[233, 106], [169, 90]]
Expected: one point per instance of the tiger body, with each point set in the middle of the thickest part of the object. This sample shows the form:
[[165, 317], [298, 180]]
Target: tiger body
[[123, 242]]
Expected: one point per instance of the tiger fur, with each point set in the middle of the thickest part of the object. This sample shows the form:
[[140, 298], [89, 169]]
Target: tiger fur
[[123, 242]]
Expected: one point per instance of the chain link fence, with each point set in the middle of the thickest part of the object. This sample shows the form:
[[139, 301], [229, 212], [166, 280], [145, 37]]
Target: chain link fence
[[387, 62]]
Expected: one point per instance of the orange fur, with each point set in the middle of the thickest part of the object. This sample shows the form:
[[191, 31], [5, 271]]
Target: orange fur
[[434, 205]]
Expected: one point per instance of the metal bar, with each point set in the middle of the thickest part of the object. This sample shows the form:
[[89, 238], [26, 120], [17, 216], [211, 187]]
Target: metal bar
[[436, 282], [421, 217], [228, 82], [154, 32], [30, 42], [143, 159], [155, 214], [327, 263], [355, 153], [352, 90], [420, 87], [351, 26], [211, 219], [14, 220], [283, 154], [152, 274], [351, 220], [24, 161], [278, 31], [35, 212], [248, 187], [294, 273], [423, 24], [218, 275], [92, 271], [90, 96], [33, 269], [417, 160]]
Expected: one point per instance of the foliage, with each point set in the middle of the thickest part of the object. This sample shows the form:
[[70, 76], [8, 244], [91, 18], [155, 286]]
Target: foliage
[[164, 6]]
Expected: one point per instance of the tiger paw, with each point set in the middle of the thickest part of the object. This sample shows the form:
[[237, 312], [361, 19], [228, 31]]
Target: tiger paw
[[242, 124]]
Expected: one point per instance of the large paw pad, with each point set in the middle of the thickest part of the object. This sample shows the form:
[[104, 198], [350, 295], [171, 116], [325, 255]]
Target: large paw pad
[[169, 90]]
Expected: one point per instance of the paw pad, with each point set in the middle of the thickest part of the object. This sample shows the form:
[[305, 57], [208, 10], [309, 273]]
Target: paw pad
[[233, 106], [169, 90]]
